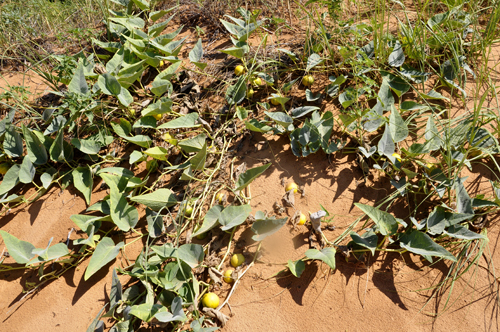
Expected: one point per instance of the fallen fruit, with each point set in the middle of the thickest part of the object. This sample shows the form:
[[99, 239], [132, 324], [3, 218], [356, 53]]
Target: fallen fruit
[[210, 300], [228, 276], [162, 63], [188, 211], [290, 186], [250, 93], [257, 82], [308, 80], [237, 260], [239, 70], [157, 117], [302, 219]]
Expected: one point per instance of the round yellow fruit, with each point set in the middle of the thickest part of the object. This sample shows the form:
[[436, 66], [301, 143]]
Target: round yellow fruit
[[162, 63], [308, 80], [210, 300], [188, 211], [4, 168], [228, 276], [290, 186], [239, 70], [131, 111], [250, 93], [237, 260], [157, 117], [257, 82], [302, 219]]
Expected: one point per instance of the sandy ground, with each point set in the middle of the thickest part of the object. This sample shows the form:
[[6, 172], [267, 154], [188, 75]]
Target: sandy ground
[[388, 293]]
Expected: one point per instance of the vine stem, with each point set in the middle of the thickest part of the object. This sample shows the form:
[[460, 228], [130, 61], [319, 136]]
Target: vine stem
[[239, 278]]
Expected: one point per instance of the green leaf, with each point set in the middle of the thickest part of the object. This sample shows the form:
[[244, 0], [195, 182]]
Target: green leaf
[[109, 84], [56, 251], [434, 95], [237, 92], [82, 178], [145, 311], [464, 202], [386, 145], [210, 220], [246, 178], [157, 152], [326, 255], [296, 267], [385, 221], [197, 52], [198, 161], [385, 96], [280, 118], [460, 232], [397, 57], [255, 125], [233, 216], [313, 60], [186, 121], [176, 315], [155, 224], [192, 254], [10, 179], [422, 244], [142, 4], [303, 110], [78, 83], [125, 97], [368, 240], [156, 200], [156, 15], [36, 150], [399, 129], [87, 146], [104, 253], [432, 135], [13, 143], [194, 144], [265, 227], [27, 171], [20, 250]]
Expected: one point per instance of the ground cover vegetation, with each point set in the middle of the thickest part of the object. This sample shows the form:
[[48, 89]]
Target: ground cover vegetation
[[379, 80]]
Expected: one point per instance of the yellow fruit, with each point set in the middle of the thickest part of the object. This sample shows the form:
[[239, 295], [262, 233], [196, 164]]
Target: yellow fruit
[[290, 186], [132, 111], [188, 211], [4, 168], [210, 300], [162, 63], [228, 276], [302, 219], [237, 260], [250, 93], [257, 82], [430, 167], [157, 117], [397, 156], [169, 138], [219, 197], [239, 70], [308, 80]]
